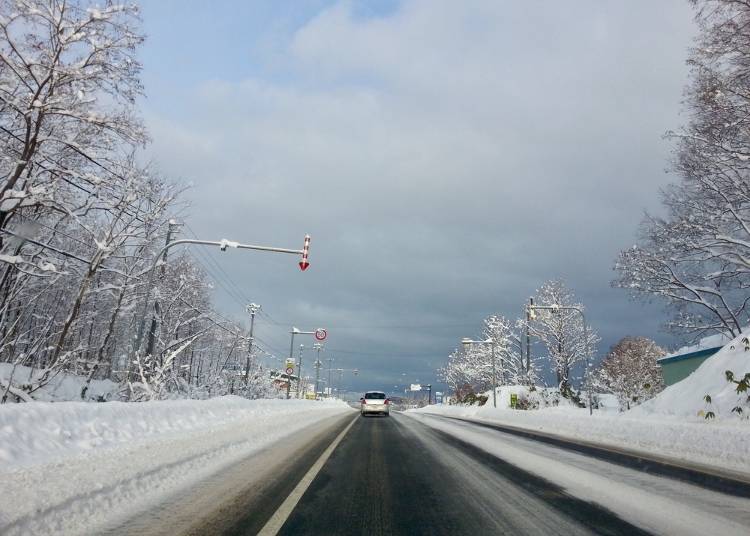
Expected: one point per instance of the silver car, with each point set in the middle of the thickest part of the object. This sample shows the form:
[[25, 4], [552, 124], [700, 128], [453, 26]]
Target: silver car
[[374, 402]]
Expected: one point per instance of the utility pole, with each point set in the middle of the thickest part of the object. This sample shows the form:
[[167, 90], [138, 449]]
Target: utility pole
[[252, 309], [291, 358], [150, 346], [317, 378], [299, 372], [318, 347], [330, 386], [528, 335]]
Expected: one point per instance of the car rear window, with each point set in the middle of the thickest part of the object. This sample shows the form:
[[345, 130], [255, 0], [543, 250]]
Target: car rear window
[[376, 396]]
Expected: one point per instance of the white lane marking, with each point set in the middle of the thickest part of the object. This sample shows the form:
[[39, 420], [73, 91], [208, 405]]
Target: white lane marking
[[277, 520]]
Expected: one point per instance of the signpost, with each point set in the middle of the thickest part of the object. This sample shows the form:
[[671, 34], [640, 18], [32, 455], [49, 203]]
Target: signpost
[[320, 334]]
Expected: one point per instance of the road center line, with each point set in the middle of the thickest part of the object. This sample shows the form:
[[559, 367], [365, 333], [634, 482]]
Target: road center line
[[279, 517]]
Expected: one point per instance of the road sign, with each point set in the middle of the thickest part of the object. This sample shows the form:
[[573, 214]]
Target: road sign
[[289, 371], [416, 387], [303, 265], [289, 363], [321, 334]]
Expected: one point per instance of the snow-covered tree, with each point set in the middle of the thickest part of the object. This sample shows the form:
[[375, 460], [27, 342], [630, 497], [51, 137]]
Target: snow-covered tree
[[630, 371], [68, 84], [509, 351], [562, 332], [472, 367], [697, 257], [81, 219]]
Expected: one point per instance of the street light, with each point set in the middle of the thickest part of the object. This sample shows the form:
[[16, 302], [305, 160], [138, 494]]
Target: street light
[[467, 345], [341, 371], [555, 308]]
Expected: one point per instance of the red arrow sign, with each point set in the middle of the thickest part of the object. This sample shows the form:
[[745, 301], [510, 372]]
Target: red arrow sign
[[303, 265]]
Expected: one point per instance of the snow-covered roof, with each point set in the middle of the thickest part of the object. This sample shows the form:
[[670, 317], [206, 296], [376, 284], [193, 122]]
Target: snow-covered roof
[[711, 342], [672, 358], [686, 397]]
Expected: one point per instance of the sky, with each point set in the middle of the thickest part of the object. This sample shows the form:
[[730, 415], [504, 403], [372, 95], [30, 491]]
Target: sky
[[447, 159]]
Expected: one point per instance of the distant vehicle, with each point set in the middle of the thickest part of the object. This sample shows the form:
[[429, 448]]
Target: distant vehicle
[[374, 402]]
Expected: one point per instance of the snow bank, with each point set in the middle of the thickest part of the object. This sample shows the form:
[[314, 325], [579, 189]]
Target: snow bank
[[61, 387], [539, 398], [723, 445], [685, 398], [73, 467], [718, 444]]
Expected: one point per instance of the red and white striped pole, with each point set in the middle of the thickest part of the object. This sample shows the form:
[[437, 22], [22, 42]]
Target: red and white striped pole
[[303, 265]]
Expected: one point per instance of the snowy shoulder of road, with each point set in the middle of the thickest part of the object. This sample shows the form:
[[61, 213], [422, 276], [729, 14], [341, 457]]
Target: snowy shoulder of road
[[71, 467], [672, 424], [717, 444]]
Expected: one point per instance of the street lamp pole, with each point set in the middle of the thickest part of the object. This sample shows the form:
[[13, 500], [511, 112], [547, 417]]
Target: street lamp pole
[[555, 308]]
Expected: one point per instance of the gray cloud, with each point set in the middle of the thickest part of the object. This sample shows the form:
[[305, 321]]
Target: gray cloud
[[447, 158]]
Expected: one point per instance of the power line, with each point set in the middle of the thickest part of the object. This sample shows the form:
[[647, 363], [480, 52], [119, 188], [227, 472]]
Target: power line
[[221, 270], [379, 354], [238, 299]]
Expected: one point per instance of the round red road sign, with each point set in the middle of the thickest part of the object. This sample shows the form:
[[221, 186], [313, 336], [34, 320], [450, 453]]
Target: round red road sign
[[289, 370], [321, 334]]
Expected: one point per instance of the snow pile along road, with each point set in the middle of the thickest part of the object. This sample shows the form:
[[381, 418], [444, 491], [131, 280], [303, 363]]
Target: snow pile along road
[[724, 445], [686, 398], [71, 467]]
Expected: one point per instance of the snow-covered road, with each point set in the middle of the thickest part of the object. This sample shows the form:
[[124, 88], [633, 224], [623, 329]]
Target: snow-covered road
[[653, 503], [226, 466]]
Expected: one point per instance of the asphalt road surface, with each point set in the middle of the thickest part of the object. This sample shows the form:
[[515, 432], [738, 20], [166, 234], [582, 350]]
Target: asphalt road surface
[[398, 476], [420, 474]]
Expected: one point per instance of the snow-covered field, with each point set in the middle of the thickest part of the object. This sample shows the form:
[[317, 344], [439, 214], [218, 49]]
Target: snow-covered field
[[69, 467], [669, 425]]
